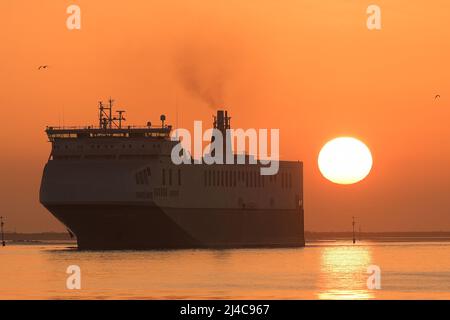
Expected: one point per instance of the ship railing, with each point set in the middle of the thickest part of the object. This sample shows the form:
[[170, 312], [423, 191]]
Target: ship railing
[[102, 128], [93, 132]]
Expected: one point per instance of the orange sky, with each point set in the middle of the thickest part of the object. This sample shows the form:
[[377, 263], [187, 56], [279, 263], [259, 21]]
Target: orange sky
[[308, 67]]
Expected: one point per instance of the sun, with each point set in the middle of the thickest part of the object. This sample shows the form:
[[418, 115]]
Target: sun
[[345, 160]]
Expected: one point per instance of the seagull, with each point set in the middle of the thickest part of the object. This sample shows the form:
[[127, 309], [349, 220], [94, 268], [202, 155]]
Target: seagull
[[437, 96], [43, 67]]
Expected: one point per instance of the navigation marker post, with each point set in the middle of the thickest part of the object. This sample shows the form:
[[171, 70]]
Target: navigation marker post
[[353, 226], [1, 230]]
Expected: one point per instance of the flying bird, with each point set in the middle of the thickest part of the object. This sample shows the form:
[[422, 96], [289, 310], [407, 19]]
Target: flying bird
[[43, 67]]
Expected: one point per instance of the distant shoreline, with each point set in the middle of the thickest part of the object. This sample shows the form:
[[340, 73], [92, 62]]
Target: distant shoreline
[[38, 236], [379, 236], [309, 236]]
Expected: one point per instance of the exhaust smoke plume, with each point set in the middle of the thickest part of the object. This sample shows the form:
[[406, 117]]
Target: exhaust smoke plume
[[205, 72]]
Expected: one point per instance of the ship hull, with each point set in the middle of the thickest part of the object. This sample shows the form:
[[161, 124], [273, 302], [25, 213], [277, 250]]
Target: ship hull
[[141, 227]]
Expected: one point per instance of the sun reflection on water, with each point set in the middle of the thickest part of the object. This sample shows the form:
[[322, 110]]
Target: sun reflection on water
[[344, 272]]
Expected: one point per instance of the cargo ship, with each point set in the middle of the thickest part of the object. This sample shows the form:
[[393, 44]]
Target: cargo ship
[[115, 187]]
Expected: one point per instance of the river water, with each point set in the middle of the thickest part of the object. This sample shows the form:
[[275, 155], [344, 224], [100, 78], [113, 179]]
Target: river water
[[321, 270]]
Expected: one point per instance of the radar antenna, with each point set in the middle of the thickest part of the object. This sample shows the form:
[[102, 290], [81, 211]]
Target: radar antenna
[[121, 117], [106, 120]]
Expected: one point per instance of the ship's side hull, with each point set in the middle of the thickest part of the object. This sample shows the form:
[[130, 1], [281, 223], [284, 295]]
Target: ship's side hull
[[139, 226], [152, 203]]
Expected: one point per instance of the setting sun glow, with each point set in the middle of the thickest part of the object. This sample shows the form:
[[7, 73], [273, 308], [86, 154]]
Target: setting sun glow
[[345, 160]]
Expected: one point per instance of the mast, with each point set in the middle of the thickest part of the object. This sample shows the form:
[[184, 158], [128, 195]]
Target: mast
[[104, 120], [111, 101], [105, 117], [121, 118]]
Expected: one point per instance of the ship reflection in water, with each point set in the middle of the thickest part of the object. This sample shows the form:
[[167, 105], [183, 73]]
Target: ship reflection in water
[[343, 273], [321, 270]]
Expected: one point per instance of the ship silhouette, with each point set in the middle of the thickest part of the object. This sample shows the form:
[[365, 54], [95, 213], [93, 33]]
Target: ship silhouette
[[115, 188]]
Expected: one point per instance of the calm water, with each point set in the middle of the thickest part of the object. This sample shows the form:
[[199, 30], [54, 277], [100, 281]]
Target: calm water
[[322, 270]]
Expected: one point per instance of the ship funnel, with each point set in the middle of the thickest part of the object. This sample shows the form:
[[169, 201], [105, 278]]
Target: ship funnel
[[222, 122]]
